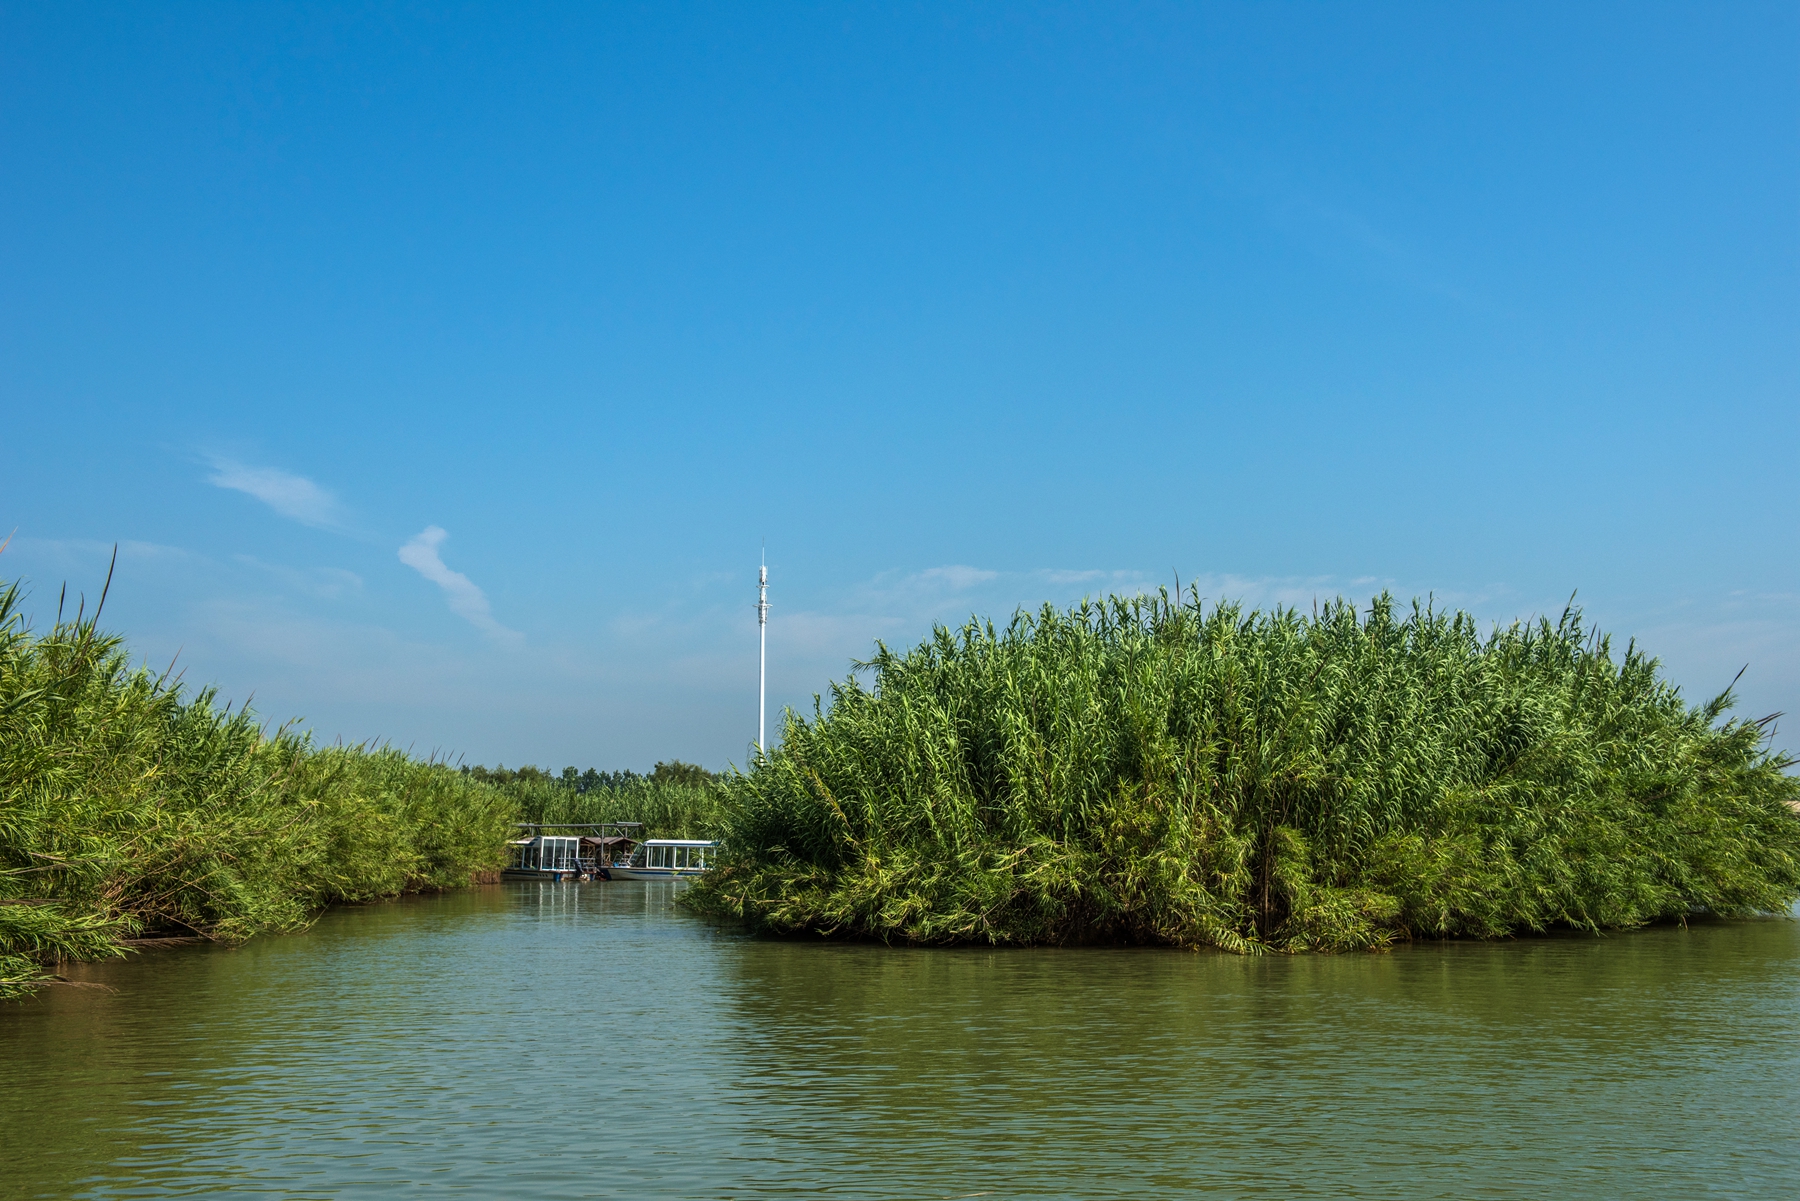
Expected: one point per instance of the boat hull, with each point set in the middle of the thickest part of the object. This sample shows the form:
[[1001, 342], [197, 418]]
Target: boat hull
[[654, 873], [540, 873]]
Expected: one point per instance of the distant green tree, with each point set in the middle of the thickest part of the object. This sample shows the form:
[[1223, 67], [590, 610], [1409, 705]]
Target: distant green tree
[[688, 775]]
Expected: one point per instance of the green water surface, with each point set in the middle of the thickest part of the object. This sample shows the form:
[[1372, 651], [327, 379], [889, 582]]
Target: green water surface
[[571, 1040]]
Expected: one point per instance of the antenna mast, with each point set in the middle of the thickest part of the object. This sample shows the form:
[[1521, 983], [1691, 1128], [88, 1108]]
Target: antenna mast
[[762, 651]]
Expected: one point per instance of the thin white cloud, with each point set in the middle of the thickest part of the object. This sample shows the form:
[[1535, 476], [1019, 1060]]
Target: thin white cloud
[[327, 583], [63, 553], [465, 599], [288, 494], [957, 576]]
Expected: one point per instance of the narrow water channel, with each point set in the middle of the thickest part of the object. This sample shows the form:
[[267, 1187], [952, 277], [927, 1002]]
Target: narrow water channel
[[542, 1041]]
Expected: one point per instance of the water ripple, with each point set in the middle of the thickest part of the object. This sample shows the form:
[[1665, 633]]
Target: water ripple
[[548, 1041]]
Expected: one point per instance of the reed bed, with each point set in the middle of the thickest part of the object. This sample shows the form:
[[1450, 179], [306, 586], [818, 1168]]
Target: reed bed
[[666, 809], [1152, 770], [130, 808]]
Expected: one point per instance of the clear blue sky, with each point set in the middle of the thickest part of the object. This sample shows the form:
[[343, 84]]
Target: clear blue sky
[[440, 369]]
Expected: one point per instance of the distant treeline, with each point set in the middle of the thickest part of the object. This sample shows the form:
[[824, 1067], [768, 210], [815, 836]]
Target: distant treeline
[[675, 800], [130, 809], [686, 775]]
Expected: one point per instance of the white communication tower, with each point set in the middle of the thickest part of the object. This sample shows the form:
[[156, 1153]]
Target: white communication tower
[[762, 652]]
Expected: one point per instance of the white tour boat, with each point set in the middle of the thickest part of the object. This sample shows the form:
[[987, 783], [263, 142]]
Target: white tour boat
[[665, 859]]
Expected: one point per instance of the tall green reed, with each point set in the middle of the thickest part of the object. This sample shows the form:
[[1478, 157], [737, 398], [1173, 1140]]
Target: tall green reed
[[1145, 770], [129, 807]]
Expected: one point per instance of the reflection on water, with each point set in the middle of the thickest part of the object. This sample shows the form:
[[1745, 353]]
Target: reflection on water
[[565, 1040]]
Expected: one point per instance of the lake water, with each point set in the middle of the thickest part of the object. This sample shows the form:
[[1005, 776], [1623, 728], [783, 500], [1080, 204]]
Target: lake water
[[570, 1040]]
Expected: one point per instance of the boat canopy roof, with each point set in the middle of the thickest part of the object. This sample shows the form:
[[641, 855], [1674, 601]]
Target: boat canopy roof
[[679, 842]]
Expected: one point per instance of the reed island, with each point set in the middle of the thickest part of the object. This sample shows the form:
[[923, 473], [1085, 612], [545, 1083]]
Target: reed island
[[1155, 771]]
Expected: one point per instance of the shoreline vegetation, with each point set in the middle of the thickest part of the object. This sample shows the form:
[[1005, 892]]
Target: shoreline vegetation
[[132, 811], [1132, 771], [1154, 771]]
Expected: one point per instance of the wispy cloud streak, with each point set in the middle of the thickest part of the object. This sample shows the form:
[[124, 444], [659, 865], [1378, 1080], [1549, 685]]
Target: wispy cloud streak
[[465, 599], [288, 494]]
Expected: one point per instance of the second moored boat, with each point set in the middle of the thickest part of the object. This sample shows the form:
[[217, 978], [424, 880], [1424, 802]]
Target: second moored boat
[[665, 859]]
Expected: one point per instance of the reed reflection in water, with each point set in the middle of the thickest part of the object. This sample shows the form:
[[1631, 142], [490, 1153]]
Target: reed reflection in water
[[592, 1040]]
